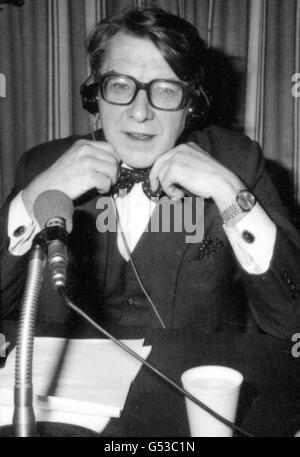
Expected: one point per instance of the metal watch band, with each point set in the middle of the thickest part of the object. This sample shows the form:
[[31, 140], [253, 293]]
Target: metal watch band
[[230, 212]]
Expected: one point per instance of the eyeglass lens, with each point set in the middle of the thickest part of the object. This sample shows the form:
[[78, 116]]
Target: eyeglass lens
[[122, 90]]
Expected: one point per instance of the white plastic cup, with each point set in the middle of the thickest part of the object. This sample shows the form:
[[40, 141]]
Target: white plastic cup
[[217, 387]]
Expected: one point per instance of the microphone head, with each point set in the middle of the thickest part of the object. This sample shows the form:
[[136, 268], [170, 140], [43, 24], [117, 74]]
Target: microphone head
[[53, 203]]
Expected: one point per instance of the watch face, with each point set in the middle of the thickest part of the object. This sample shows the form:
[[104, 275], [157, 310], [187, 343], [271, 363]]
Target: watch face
[[246, 200]]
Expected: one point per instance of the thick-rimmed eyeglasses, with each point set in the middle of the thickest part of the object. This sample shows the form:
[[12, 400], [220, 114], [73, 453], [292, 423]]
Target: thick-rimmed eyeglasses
[[163, 94]]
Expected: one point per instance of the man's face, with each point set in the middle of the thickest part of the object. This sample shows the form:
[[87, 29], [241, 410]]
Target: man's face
[[138, 132]]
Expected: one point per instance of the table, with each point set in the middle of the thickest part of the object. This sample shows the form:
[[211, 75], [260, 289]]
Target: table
[[270, 397]]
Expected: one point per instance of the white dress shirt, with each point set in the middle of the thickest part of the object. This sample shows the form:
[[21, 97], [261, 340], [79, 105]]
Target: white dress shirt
[[254, 252]]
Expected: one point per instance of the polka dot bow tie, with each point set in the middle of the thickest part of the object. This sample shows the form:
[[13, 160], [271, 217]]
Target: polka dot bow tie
[[129, 177]]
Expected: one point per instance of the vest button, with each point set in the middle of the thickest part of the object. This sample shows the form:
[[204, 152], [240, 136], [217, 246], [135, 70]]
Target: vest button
[[129, 319], [131, 302]]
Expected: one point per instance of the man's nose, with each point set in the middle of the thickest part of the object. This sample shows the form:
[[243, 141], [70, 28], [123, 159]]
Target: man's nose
[[140, 109]]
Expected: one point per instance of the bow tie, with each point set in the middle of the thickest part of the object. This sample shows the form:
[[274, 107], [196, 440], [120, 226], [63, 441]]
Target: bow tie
[[129, 177]]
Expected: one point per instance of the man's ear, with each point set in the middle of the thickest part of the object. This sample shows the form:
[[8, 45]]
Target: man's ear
[[90, 95], [199, 110]]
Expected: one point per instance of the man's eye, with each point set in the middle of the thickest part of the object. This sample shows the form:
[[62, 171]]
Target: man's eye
[[118, 85], [167, 90]]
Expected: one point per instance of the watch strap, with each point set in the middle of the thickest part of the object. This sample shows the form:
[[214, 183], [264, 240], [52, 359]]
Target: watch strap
[[231, 212]]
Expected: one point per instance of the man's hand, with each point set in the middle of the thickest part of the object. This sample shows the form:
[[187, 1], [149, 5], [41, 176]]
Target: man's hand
[[188, 167], [86, 165]]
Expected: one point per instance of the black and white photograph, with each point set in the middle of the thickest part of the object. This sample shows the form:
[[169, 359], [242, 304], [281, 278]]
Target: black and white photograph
[[149, 221]]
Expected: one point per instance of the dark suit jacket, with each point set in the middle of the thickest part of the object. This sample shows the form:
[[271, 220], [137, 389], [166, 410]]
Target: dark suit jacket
[[193, 285]]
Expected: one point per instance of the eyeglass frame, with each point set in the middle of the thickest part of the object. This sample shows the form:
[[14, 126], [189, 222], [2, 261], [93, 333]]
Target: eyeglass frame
[[188, 91]]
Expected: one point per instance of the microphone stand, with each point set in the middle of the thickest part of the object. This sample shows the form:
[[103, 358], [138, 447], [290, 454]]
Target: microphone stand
[[24, 424]]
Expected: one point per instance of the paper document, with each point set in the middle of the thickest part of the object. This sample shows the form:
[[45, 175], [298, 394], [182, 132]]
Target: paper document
[[78, 377]]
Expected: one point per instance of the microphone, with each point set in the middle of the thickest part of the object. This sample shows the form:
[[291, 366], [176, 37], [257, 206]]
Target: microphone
[[53, 211]]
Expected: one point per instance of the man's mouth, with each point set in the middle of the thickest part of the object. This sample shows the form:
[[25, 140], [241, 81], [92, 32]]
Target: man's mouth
[[139, 136]]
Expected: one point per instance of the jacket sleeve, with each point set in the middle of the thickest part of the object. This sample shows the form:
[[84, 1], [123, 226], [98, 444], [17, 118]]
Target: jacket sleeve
[[13, 268], [274, 297]]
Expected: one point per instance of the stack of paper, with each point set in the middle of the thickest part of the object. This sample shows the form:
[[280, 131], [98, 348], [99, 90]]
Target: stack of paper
[[83, 382]]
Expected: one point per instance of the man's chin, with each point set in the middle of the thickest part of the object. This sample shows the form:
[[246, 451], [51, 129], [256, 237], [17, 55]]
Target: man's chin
[[138, 165], [144, 161]]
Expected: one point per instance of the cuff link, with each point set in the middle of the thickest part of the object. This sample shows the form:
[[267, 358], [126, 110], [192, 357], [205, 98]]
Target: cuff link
[[248, 237], [19, 231]]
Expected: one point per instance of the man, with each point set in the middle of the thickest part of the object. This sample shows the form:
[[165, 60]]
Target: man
[[147, 68]]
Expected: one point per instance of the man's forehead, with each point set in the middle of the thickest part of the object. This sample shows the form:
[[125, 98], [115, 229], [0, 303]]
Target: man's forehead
[[126, 51], [125, 62], [131, 49]]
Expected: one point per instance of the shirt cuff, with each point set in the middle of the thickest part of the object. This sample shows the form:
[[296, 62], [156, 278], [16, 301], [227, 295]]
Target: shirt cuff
[[252, 238], [22, 227]]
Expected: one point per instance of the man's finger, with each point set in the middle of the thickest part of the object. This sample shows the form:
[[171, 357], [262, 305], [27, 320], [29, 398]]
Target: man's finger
[[169, 182], [158, 164]]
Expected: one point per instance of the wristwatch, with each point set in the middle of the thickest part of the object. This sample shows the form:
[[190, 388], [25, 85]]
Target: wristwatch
[[244, 202]]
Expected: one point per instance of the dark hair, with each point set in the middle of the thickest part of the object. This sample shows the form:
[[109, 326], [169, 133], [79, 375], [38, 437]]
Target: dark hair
[[177, 40]]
